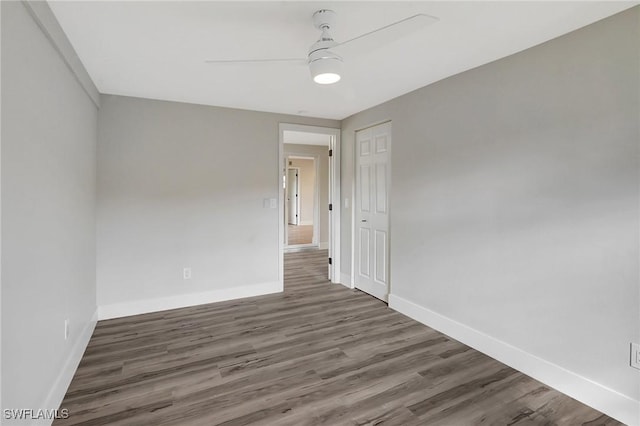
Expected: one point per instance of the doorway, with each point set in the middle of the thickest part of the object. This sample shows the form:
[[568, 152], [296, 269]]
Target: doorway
[[306, 184], [371, 210], [309, 167], [293, 196]]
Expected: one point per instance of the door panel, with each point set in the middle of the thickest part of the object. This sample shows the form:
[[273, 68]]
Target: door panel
[[381, 188], [381, 144], [365, 147], [373, 147], [380, 249], [365, 188], [365, 253]]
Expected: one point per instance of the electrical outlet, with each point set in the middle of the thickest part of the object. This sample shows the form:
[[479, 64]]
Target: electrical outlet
[[635, 355], [66, 329], [186, 273]]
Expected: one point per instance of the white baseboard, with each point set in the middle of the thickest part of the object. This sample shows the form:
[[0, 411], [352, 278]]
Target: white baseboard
[[145, 306], [306, 222], [593, 394], [345, 280], [59, 389], [323, 246]]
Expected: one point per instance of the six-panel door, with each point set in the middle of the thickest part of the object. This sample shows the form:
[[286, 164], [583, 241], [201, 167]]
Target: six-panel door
[[372, 210]]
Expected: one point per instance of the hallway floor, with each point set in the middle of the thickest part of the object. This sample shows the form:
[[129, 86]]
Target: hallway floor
[[300, 234]]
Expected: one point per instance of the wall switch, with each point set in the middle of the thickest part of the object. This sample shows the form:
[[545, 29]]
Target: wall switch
[[186, 273], [635, 355], [273, 203], [66, 329], [266, 203]]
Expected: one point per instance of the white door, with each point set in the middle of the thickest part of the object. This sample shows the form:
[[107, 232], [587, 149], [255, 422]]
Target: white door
[[292, 196], [373, 147]]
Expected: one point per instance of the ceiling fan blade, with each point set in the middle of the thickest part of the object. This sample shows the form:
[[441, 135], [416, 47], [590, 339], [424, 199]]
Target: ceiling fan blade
[[302, 61], [389, 33]]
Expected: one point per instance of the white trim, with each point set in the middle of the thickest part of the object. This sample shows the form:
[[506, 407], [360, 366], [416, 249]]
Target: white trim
[[282, 226], [353, 216], [1, 405], [335, 213], [593, 394], [324, 245], [63, 380], [306, 222], [346, 285], [300, 156], [346, 280], [334, 195], [137, 307], [50, 27], [300, 247], [295, 247], [316, 201]]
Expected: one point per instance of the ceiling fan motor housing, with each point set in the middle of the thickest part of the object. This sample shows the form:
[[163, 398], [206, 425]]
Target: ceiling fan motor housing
[[322, 61], [324, 18]]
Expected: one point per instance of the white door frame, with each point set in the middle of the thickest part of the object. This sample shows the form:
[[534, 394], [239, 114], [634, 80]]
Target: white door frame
[[352, 278], [316, 198], [334, 196]]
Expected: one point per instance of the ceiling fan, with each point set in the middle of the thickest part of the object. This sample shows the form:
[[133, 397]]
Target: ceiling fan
[[325, 56]]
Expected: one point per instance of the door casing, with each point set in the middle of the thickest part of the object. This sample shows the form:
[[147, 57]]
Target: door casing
[[334, 197]]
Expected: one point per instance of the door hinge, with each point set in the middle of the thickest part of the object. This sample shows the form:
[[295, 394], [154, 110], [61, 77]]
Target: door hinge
[[330, 207], [330, 153], [329, 261]]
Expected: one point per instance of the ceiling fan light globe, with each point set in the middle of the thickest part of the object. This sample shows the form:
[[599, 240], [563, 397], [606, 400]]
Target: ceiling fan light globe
[[327, 78], [326, 70]]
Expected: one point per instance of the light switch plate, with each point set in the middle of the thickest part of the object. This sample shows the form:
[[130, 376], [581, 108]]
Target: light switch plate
[[635, 355]]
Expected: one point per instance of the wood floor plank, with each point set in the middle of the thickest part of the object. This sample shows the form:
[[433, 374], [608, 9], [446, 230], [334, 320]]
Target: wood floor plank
[[317, 354]]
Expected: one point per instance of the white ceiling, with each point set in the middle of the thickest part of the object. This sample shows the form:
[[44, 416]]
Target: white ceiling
[[305, 138], [157, 49]]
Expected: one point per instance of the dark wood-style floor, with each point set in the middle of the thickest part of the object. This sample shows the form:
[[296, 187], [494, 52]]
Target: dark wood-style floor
[[317, 354]]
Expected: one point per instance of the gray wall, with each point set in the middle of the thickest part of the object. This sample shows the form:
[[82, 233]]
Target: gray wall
[[49, 128], [323, 181], [514, 201], [175, 190]]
